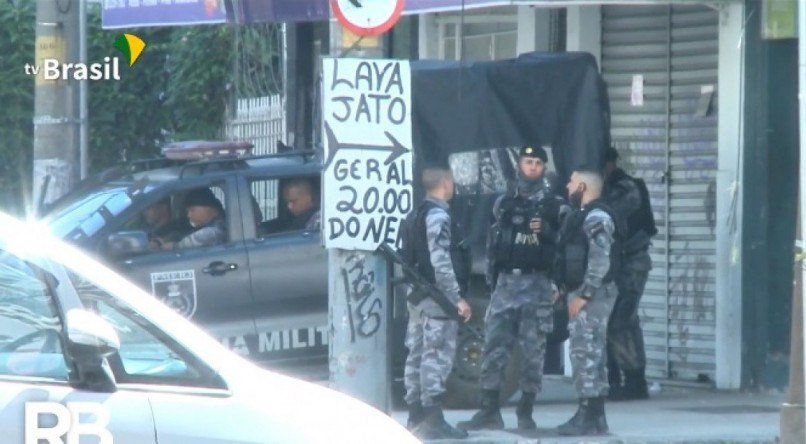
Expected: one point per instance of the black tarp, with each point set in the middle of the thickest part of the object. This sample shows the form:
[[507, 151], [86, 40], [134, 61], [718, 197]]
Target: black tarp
[[554, 99]]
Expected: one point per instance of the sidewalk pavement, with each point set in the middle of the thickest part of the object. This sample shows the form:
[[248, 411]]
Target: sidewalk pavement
[[675, 415]]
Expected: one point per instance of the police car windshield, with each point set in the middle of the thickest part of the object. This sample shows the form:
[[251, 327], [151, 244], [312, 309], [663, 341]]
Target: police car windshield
[[85, 215]]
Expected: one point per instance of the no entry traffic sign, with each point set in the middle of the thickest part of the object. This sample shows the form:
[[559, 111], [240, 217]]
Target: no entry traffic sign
[[367, 17]]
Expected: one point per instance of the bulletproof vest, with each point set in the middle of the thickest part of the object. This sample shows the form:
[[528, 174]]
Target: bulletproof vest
[[572, 249], [514, 244], [415, 247], [642, 219]]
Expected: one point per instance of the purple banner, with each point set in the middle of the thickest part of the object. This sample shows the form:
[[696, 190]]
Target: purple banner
[[134, 13], [257, 11], [422, 6]]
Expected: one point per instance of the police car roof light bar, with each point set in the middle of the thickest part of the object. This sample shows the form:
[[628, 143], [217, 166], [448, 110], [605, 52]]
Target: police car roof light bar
[[205, 149]]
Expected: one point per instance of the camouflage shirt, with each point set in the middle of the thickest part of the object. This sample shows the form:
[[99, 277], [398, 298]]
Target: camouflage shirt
[[438, 234], [213, 233], [599, 229]]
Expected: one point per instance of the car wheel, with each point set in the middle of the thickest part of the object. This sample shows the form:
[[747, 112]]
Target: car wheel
[[463, 388]]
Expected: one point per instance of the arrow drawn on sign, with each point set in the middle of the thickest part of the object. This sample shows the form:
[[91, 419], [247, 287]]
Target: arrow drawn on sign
[[395, 150]]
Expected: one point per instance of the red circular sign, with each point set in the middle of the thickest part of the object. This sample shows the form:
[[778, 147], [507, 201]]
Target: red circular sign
[[367, 17]]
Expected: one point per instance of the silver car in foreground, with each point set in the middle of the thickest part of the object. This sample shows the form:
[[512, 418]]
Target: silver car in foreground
[[86, 356]]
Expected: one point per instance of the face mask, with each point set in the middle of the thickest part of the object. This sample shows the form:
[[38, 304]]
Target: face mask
[[528, 186]]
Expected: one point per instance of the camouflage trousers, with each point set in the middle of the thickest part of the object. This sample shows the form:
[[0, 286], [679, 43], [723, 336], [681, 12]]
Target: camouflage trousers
[[587, 343], [432, 348], [625, 339], [529, 325]]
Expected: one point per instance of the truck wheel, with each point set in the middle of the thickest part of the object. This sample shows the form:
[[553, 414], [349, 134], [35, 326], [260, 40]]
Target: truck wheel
[[463, 388]]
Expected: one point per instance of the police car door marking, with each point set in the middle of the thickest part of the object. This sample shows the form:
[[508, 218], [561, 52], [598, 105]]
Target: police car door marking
[[177, 289]]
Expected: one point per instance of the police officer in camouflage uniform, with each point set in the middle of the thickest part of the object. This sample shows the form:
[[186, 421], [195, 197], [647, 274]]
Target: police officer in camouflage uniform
[[206, 215], [625, 339], [586, 265], [521, 253], [431, 334]]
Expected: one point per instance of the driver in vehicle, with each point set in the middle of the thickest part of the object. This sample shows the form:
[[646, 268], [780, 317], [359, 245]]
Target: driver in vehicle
[[206, 216], [161, 226]]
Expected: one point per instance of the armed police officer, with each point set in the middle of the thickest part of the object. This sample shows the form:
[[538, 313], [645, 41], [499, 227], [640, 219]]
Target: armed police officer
[[585, 270], [521, 249], [431, 332], [628, 196]]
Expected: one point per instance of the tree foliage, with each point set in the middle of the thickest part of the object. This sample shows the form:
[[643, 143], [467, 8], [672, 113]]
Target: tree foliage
[[17, 99], [178, 90]]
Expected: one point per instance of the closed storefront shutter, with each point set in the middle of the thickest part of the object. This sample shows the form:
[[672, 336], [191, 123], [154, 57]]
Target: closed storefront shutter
[[660, 64]]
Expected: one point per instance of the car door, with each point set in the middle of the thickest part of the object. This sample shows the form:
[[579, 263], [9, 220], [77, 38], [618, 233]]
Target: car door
[[289, 275], [190, 402], [209, 284], [34, 373]]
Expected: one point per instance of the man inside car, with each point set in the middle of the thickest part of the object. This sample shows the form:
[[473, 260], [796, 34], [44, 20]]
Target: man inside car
[[206, 215], [161, 225]]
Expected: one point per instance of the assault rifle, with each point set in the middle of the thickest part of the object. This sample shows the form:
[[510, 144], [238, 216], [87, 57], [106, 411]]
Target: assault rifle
[[420, 288]]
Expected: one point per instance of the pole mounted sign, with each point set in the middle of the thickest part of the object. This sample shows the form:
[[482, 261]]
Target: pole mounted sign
[[367, 17], [368, 158]]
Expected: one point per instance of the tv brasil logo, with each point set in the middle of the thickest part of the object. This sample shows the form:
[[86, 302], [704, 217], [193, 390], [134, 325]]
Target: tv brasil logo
[[51, 68]]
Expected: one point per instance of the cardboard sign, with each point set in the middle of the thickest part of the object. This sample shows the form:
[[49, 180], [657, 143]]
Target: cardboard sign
[[367, 179]]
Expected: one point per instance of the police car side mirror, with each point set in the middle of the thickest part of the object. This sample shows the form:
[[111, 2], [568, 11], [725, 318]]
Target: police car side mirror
[[91, 339], [127, 243]]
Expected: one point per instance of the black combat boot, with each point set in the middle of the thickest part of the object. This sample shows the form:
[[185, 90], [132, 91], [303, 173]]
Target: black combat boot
[[597, 415], [415, 415], [489, 417], [634, 385], [433, 426], [524, 412], [579, 424]]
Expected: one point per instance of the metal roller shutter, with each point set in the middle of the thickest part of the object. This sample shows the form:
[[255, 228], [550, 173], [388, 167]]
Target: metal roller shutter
[[675, 49]]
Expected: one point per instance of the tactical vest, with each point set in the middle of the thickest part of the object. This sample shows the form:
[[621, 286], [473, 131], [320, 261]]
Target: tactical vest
[[640, 224], [572, 249], [514, 245], [415, 247]]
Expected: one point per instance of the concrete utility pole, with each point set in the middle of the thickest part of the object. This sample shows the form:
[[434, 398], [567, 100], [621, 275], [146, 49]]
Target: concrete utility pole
[[360, 363], [56, 102]]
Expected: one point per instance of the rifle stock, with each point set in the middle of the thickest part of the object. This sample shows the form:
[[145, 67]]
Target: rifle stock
[[420, 287]]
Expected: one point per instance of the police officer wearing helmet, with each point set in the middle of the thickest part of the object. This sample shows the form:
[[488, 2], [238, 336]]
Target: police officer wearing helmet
[[520, 255], [587, 263]]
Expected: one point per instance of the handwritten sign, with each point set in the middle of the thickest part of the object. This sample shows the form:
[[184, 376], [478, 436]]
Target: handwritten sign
[[368, 161]]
